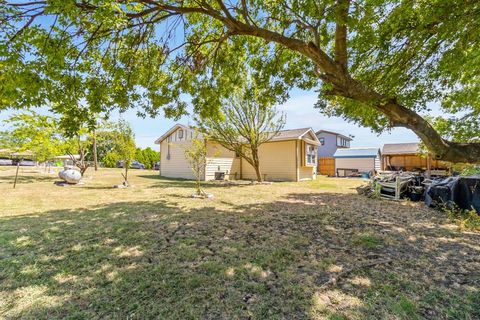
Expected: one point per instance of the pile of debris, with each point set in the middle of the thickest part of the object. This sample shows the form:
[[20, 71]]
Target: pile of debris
[[460, 192]]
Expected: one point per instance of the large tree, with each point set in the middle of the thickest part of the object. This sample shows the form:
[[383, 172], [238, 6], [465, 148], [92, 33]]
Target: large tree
[[246, 125], [375, 62]]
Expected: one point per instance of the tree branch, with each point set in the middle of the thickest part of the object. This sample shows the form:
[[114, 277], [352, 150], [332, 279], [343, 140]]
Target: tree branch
[[341, 16]]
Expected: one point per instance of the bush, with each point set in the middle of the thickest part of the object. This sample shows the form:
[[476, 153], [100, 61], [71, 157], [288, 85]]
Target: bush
[[110, 159], [147, 156], [466, 219]]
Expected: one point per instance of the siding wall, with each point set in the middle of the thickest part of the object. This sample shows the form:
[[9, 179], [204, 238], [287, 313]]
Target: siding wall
[[307, 173], [330, 146], [277, 162], [177, 165], [361, 164], [221, 159]]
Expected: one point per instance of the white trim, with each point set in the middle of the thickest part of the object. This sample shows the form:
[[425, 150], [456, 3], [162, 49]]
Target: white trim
[[172, 129]]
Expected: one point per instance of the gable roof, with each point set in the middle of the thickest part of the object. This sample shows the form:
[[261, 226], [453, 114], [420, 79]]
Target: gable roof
[[170, 131], [334, 133], [292, 134], [401, 148], [357, 153]]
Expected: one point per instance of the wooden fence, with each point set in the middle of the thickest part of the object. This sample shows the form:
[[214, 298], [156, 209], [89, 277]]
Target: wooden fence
[[326, 166]]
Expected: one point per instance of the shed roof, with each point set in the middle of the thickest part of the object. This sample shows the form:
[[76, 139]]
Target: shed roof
[[357, 153], [23, 153], [401, 148]]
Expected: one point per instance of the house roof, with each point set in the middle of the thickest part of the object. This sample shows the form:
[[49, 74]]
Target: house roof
[[401, 148], [172, 129], [291, 134], [357, 153], [334, 133]]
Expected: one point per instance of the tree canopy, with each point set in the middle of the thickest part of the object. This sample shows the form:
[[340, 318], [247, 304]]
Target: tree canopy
[[376, 62], [247, 125], [37, 133]]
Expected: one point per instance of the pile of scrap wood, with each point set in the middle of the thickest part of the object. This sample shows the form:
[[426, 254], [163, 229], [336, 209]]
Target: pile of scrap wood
[[461, 192], [395, 185]]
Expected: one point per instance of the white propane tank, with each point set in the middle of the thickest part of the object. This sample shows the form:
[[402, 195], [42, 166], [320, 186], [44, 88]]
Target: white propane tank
[[69, 175]]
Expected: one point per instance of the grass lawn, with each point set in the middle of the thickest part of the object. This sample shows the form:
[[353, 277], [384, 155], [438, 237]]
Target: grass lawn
[[252, 252]]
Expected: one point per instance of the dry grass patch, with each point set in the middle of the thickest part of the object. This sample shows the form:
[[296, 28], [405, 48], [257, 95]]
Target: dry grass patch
[[254, 251]]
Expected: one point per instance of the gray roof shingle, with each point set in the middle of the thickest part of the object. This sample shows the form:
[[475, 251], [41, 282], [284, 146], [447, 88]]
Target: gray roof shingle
[[290, 134]]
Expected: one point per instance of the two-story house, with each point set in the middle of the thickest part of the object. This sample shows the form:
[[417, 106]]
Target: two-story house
[[330, 142]]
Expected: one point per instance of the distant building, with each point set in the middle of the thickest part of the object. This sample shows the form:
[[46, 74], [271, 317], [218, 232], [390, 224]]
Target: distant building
[[330, 142], [409, 157], [355, 161], [288, 156]]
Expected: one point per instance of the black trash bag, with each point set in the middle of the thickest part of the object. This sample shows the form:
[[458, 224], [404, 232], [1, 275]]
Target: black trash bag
[[461, 192]]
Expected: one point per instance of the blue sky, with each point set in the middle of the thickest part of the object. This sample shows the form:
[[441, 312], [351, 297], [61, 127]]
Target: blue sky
[[300, 113]]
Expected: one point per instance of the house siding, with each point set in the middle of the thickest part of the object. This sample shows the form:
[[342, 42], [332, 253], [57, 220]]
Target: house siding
[[177, 165], [220, 159], [330, 145], [277, 162]]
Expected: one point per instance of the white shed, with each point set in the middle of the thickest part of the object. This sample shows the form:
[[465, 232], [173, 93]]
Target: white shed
[[355, 161]]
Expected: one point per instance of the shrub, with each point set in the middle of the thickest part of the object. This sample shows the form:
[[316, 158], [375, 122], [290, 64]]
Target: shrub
[[110, 159]]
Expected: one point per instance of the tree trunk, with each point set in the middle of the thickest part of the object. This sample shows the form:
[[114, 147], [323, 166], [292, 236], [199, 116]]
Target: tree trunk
[[401, 116], [199, 189], [256, 165], [95, 160]]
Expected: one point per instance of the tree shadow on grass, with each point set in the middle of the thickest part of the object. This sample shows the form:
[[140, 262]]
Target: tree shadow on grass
[[156, 260], [164, 182], [24, 178]]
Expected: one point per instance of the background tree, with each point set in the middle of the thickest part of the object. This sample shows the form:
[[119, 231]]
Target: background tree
[[125, 146], [35, 132], [377, 63], [196, 155], [147, 156], [247, 124], [111, 159]]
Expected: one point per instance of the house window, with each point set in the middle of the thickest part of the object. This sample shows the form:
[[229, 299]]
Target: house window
[[322, 141], [311, 155], [180, 134], [342, 142]]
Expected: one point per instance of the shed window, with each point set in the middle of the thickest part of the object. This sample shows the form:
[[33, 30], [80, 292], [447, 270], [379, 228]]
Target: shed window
[[310, 155], [180, 134]]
